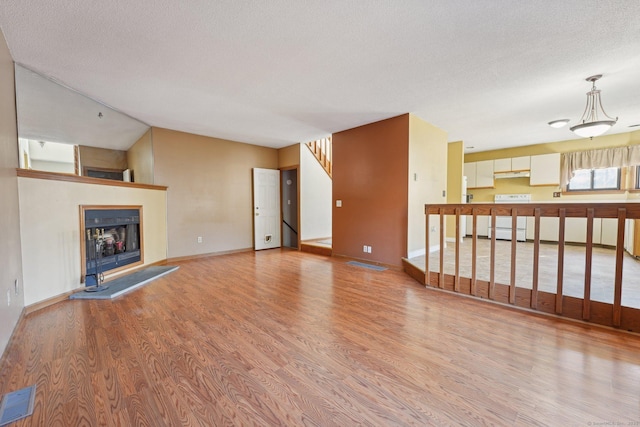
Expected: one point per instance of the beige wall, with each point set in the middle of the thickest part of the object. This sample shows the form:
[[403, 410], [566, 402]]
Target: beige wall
[[103, 158], [455, 162], [289, 156], [140, 159], [370, 177], [427, 179], [10, 249], [51, 242], [582, 144], [209, 194]]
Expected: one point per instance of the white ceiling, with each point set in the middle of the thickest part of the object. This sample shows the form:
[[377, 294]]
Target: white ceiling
[[489, 72]]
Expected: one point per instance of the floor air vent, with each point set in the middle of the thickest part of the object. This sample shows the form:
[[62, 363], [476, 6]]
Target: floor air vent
[[16, 405]]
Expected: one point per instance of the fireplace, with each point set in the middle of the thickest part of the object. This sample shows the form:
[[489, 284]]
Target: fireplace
[[111, 240]]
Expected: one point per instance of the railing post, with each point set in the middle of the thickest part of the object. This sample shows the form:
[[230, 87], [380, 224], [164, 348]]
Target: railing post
[[492, 257], [562, 217], [456, 285], [441, 275], [514, 242], [617, 292], [427, 275], [474, 250], [536, 259], [586, 302]]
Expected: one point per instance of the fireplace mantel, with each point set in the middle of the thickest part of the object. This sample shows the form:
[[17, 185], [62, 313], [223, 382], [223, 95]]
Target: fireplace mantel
[[68, 177]]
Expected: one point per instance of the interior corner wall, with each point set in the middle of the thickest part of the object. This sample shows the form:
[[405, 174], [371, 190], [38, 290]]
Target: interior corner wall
[[427, 177], [210, 190], [140, 159], [455, 162], [289, 156], [315, 197], [11, 302], [370, 174]]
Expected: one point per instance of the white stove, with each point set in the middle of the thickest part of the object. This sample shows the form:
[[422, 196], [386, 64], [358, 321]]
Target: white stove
[[503, 223]]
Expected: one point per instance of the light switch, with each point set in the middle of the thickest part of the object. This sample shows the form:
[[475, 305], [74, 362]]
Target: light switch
[[338, 203]]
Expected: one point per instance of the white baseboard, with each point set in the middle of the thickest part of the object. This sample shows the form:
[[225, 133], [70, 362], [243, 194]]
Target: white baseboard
[[417, 253]]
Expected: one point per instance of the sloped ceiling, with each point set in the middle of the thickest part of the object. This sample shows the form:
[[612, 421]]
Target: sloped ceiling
[[491, 72]]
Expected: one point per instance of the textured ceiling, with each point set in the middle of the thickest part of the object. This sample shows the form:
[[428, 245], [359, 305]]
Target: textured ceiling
[[489, 72]]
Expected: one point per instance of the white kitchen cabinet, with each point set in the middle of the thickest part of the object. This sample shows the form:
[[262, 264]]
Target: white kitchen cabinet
[[479, 174], [521, 163], [609, 231], [470, 173], [484, 174], [514, 164], [482, 224], [545, 169], [502, 165]]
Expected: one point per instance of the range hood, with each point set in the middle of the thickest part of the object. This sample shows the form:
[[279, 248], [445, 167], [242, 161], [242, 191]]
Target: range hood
[[520, 174]]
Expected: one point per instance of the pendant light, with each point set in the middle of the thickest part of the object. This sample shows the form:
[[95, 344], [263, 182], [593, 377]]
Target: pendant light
[[594, 121]]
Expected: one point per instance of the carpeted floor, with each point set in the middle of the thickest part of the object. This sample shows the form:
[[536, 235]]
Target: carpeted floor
[[127, 283]]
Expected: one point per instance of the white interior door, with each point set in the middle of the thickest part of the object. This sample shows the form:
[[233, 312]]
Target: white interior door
[[266, 208]]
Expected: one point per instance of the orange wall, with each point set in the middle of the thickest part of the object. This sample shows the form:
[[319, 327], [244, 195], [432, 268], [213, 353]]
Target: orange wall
[[370, 177]]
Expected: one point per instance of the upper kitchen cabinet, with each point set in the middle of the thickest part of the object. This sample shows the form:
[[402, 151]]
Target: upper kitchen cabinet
[[479, 174], [519, 164], [545, 169], [513, 164], [470, 172]]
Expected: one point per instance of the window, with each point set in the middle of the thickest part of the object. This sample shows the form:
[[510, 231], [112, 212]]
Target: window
[[595, 179]]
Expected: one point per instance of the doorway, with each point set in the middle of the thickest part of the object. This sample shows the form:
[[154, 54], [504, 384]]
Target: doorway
[[290, 214]]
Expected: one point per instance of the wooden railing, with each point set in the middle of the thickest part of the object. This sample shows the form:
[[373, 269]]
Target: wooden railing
[[321, 149], [609, 314]]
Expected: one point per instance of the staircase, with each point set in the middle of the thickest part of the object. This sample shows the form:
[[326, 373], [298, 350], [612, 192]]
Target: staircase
[[321, 149]]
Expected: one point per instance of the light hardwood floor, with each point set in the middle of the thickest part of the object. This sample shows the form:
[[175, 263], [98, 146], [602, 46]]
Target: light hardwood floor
[[282, 337]]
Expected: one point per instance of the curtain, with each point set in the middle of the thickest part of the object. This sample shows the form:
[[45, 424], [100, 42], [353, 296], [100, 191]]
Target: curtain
[[597, 159]]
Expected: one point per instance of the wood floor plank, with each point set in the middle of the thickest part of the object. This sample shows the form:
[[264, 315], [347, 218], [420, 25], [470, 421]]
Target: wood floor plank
[[281, 337]]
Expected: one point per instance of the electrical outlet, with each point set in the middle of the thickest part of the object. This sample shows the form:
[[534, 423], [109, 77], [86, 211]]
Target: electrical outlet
[[556, 194], [199, 239], [364, 249], [369, 249]]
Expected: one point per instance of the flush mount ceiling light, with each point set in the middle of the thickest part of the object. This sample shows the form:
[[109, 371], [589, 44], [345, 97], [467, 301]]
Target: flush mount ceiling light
[[558, 123], [594, 121]]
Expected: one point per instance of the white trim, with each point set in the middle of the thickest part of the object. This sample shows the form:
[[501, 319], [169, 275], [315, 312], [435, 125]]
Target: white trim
[[417, 253]]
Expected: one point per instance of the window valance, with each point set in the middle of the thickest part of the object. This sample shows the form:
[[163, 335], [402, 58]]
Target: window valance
[[598, 159]]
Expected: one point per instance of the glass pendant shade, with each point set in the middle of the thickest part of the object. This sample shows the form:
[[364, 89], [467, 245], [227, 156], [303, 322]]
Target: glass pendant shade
[[591, 129]]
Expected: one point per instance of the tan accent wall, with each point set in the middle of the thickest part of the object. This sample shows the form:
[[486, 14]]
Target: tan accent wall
[[140, 159], [455, 162], [102, 158], [11, 304], [210, 193], [370, 166], [289, 156]]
